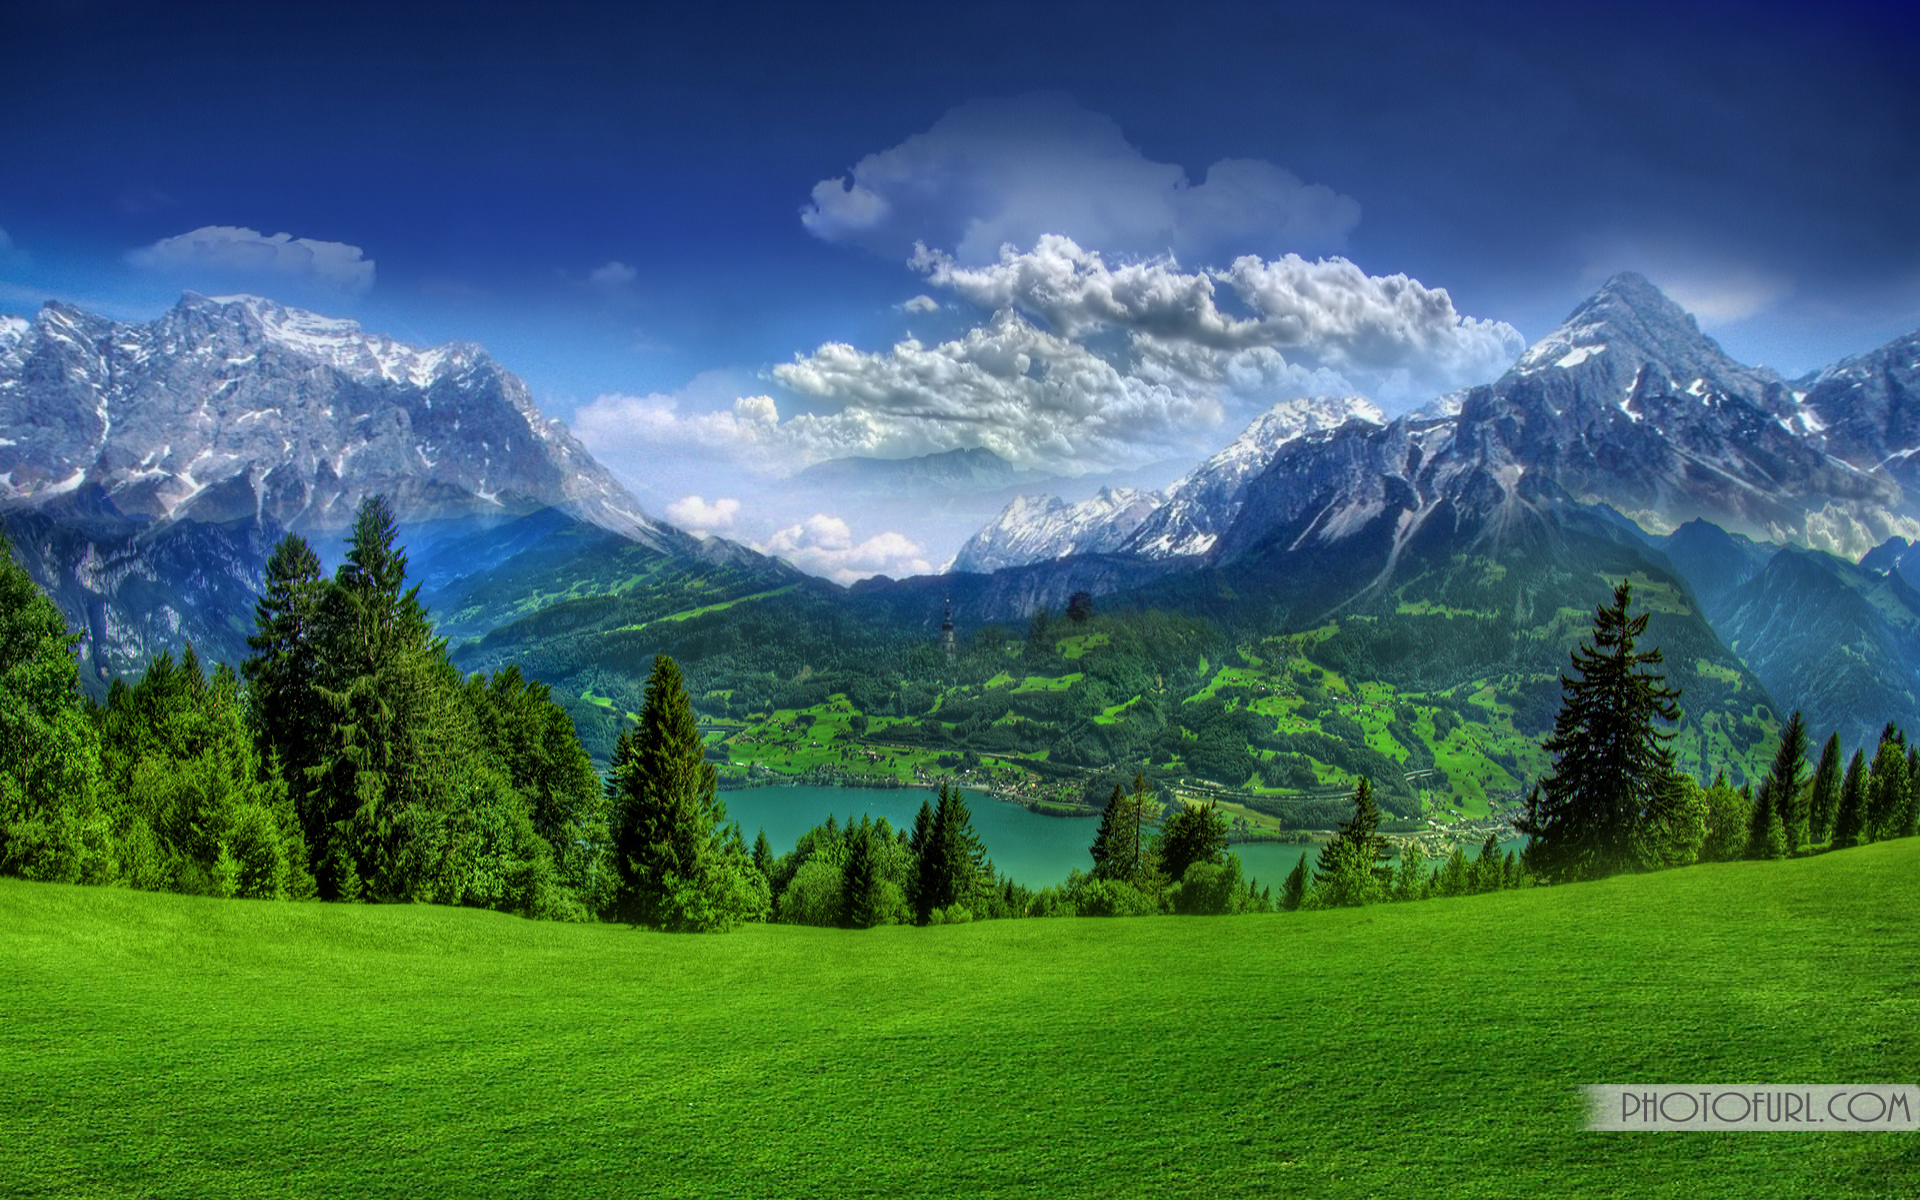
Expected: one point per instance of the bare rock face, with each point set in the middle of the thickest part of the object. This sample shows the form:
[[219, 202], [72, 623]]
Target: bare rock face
[[228, 408]]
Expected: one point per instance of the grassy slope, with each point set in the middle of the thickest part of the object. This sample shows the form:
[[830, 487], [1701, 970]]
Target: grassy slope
[[168, 1046]]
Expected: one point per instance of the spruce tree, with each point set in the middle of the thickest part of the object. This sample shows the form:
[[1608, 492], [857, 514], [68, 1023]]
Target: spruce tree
[[951, 864], [1103, 837], [1294, 890], [681, 866], [284, 671], [1823, 798], [397, 745], [860, 906], [1767, 831], [1489, 870], [1887, 785], [1785, 782], [1850, 819], [1608, 803], [1348, 870], [1120, 843]]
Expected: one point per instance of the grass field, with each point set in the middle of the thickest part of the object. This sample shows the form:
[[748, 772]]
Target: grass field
[[155, 1045]]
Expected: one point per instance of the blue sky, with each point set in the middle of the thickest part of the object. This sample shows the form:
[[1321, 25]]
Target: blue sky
[[693, 227]]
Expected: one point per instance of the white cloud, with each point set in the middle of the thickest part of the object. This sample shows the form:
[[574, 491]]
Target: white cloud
[[1000, 171], [614, 274], [1385, 334], [919, 304], [695, 515], [229, 248], [824, 545]]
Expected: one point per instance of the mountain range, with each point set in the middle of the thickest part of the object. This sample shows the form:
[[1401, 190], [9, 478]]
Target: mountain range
[[146, 469]]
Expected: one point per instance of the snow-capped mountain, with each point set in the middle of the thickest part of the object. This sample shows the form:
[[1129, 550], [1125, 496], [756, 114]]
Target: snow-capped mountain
[[1183, 522], [233, 407], [1627, 404], [1038, 528], [1201, 506], [1868, 409]]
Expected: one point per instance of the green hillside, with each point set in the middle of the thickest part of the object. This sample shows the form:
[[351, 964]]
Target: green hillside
[[1439, 691], [160, 1045]]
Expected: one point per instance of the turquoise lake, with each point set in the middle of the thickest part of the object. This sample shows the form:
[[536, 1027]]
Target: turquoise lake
[[1027, 847]]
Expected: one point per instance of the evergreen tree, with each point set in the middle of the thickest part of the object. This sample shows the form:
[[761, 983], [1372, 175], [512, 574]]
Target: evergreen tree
[[1767, 833], [51, 826], [1409, 880], [1455, 876], [1119, 846], [284, 672], [1193, 834], [1348, 872], [861, 904], [1609, 803], [1823, 797], [1784, 785], [1887, 786], [952, 864], [533, 742], [763, 855], [1850, 819], [1103, 837], [1906, 818], [681, 865], [1489, 871], [1294, 890], [395, 762], [195, 810]]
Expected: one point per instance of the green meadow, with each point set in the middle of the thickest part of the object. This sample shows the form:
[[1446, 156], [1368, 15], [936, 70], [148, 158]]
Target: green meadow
[[165, 1045]]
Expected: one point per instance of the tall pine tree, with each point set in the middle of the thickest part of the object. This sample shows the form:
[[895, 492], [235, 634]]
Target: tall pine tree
[[1850, 819], [284, 671], [1823, 797], [1120, 845], [1887, 784], [680, 864], [1610, 800], [1785, 783], [1349, 869]]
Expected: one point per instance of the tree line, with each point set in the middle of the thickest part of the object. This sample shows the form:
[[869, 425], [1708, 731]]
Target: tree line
[[349, 759]]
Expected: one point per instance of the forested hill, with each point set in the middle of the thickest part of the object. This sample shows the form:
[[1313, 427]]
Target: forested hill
[[1281, 688]]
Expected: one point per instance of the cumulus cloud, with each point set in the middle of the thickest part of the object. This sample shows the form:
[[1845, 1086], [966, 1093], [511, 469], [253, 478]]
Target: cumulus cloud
[[825, 545], [695, 515], [1384, 334], [919, 304], [1000, 171], [232, 249], [615, 274]]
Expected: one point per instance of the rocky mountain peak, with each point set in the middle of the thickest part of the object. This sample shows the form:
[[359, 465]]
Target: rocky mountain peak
[[232, 407]]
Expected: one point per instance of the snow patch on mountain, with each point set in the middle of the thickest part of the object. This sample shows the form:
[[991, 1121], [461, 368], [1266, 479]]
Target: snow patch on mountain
[[1042, 528], [1201, 506], [240, 407]]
